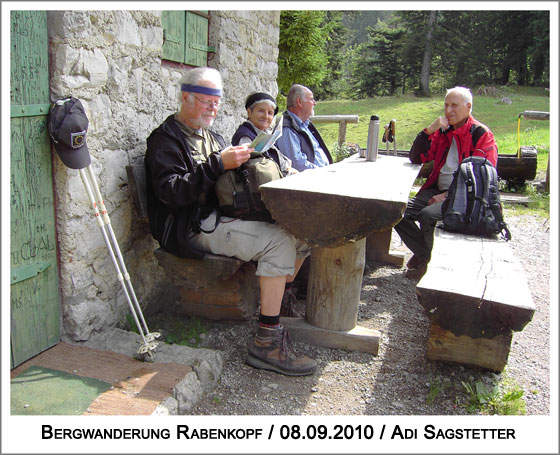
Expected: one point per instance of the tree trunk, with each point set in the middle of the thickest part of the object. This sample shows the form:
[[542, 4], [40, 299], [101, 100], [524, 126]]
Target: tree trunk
[[538, 69], [522, 69], [427, 63], [506, 68]]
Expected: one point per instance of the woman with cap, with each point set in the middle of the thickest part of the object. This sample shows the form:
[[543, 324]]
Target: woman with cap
[[261, 109]]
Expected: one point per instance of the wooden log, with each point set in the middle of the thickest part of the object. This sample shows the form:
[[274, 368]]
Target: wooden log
[[359, 338], [522, 166], [341, 133], [232, 299], [378, 246], [536, 115], [215, 287], [329, 305], [195, 273], [490, 353], [334, 118]]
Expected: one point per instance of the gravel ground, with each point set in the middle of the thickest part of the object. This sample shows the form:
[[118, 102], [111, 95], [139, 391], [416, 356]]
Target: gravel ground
[[400, 380]]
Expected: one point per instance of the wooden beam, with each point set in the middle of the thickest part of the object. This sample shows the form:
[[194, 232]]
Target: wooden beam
[[334, 118], [357, 339], [536, 115], [341, 133], [509, 166]]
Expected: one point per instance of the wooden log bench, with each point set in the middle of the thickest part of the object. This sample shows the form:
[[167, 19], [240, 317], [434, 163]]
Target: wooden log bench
[[215, 287], [476, 295]]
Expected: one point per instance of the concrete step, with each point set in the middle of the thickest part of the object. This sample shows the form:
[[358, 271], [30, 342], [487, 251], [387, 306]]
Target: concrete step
[[170, 385]]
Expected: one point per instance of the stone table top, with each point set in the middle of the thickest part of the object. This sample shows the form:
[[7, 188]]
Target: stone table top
[[342, 202]]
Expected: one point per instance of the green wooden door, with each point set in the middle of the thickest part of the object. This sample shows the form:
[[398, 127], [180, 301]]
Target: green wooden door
[[34, 293]]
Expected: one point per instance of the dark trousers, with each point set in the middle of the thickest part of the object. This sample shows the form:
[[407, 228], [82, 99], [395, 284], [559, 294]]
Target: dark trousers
[[416, 229]]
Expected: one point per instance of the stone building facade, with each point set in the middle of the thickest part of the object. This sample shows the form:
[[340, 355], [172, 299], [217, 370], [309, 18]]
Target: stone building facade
[[112, 62]]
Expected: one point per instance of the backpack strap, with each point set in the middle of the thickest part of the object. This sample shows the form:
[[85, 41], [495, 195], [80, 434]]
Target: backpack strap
[[496, 209], [470, 182], [476, 133], [243, 174], [487, 182], [218, 216]]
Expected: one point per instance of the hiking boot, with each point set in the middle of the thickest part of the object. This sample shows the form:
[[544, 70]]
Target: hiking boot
[[271, 349], [414, 262], [417, 272], [289, 305]]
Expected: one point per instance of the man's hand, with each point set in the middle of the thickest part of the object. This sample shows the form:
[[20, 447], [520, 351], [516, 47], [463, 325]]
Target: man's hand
[[235, 156], [437, 198], [440, 122]]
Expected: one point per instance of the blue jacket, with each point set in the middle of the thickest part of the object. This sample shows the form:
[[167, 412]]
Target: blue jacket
[[306, 144]]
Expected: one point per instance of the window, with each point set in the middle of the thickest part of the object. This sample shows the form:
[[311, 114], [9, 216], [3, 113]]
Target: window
[[185, 37]]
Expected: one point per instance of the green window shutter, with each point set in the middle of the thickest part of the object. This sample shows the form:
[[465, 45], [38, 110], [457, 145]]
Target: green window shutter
[[173, 23], [186, 37], [196, 39]]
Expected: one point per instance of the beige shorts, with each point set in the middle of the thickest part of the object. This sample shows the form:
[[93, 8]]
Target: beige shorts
[[274, 249]]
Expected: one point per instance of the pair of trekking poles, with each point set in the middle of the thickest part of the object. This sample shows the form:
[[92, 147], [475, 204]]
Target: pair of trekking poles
[[68, 125], [147, 349]]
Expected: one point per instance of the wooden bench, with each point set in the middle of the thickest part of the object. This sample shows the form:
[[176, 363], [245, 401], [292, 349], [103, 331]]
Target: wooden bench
[[476, 295], [215, 287]]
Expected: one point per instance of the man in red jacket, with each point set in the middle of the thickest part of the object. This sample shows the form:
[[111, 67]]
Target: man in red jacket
[[447, 141]]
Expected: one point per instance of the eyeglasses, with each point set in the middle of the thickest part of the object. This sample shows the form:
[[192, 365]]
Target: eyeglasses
[[208, 103]]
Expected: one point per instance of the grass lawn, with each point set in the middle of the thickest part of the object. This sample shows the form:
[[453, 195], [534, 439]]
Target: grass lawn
[[412, 114]]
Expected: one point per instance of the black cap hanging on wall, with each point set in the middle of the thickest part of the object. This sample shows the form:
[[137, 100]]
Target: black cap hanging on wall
[[68, 125]]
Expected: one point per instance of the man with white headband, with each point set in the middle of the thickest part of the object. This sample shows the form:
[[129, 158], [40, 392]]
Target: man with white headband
[[183, 161]]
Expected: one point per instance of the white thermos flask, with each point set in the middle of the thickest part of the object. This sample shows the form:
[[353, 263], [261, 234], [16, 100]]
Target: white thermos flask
[[373, 138]]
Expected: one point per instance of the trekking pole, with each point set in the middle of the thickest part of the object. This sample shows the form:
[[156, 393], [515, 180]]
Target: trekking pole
[[107, 221], [392, 125], [122, 273], [386, 137], [518, 140]]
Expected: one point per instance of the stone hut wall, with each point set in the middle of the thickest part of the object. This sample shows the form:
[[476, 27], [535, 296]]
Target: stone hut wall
[[111, 61]]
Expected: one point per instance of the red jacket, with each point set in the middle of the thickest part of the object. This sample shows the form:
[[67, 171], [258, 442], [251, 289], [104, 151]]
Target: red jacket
[[434, 147]]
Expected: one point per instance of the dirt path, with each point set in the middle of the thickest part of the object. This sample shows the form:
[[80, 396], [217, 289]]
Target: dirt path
[[400, 380]]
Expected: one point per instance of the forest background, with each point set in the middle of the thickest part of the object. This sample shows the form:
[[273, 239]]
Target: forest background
[[364, 54]]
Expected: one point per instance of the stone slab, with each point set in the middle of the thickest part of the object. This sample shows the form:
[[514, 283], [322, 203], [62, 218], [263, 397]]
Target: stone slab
[[342, 202]]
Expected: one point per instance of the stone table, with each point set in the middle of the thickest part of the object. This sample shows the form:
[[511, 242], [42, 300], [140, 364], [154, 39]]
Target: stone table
[[334, 209]]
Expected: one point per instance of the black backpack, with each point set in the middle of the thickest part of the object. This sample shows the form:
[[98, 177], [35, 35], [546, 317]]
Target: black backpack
[[473, 202]]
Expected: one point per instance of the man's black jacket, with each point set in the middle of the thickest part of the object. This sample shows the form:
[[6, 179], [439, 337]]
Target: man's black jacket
[[180, 191]]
